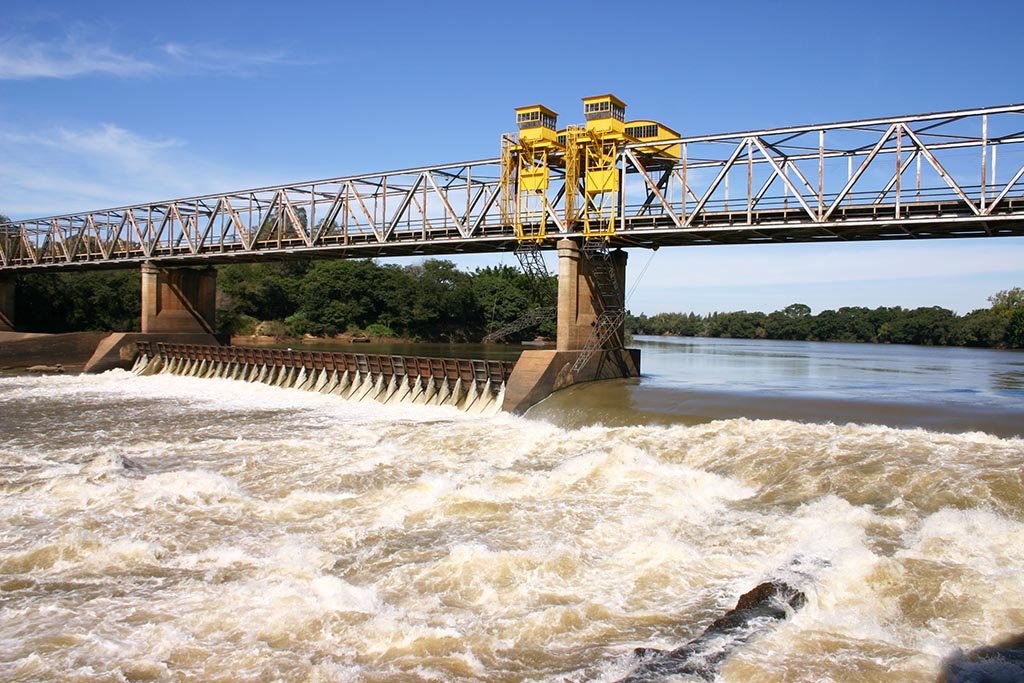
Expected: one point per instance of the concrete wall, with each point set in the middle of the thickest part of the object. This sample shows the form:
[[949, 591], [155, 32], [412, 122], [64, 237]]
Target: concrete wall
[[540, 373], [118, 350], [180, 300], [71, 350], [578, 302]]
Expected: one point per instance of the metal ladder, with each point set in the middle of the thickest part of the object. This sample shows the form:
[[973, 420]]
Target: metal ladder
[[532, 262], [606, 286]]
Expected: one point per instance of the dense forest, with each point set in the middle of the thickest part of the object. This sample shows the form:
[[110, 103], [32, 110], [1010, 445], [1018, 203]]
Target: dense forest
[[1000, 325], [434, 301]]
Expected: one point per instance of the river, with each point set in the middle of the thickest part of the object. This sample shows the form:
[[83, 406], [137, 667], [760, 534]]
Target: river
[[181, 529]]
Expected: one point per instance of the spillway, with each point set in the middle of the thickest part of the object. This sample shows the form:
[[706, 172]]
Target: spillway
[[474, 386]]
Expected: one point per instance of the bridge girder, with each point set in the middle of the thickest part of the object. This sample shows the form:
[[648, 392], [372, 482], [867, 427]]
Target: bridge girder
[[950, 174]]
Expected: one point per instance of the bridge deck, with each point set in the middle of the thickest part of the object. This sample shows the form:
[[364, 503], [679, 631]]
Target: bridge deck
[[945, 175]]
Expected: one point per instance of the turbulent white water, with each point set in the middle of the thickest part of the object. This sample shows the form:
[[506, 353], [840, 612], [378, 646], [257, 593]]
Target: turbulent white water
[[169, 528]]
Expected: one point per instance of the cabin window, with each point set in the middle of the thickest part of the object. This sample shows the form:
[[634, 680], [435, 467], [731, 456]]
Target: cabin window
[[603, 110], [649, 130]]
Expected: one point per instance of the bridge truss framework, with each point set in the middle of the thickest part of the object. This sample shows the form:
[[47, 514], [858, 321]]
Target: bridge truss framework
[[947, 174]]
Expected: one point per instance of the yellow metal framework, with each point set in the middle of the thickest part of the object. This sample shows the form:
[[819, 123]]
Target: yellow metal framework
[[531, 199], [601, 186], [586, 153]]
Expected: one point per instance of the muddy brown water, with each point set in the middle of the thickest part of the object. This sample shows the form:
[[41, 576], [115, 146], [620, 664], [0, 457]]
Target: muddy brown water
[[181, 529]]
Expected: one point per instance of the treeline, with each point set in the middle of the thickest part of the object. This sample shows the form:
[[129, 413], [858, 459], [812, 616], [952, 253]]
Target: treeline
[[1000, 325], [93, 301], [432, 301]]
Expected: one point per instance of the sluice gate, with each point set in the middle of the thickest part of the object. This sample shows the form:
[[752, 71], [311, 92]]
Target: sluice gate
[[475, 386]]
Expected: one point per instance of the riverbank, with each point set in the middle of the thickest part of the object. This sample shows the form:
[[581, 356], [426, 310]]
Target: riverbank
[[20, 350]]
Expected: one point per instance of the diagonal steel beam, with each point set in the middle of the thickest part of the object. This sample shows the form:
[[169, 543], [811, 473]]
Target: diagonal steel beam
[[859, 172], [785, 179], [652, 187], [941, 171], [1006, 190], [727, 166]]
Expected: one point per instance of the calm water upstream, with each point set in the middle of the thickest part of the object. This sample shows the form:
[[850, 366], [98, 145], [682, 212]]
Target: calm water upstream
[[693, 380], [178, 529]]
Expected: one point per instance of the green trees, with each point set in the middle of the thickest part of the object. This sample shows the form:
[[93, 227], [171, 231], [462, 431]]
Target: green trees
[[435, 301], [1008, 307], [1001, 325], [431, 301], [793, 323], [74, 302]]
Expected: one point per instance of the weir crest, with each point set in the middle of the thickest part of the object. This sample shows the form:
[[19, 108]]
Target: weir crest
[[473, 386]]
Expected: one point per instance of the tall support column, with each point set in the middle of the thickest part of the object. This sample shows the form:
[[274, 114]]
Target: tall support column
[[178, 300], [581, 298], [569, 313], [6, 303]]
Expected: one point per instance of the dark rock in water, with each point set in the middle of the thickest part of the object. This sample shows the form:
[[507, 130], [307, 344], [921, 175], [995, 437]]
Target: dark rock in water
[[46, 369], [1001, 663], [755, 611]]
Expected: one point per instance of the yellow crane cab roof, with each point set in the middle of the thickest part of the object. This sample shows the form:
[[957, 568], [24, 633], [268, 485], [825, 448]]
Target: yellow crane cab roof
[[529, 108], [663, 131], [606, 97]]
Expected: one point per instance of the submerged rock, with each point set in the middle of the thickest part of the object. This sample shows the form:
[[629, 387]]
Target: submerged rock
[[755, 611], [1001, 663]]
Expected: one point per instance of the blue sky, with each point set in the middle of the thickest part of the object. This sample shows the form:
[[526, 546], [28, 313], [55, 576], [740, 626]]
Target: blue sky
[[109, 103]]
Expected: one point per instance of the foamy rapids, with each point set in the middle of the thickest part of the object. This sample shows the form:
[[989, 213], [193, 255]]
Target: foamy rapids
[[176, 529]]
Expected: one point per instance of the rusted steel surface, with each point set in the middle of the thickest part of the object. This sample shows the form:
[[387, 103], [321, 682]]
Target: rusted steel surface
[[479, 371]]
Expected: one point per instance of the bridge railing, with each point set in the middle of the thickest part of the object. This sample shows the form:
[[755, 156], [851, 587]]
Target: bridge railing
[[865, 179], [971, 161]]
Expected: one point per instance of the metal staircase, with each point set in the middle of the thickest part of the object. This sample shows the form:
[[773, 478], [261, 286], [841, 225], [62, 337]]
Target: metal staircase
[[532, 262], [608, 291]]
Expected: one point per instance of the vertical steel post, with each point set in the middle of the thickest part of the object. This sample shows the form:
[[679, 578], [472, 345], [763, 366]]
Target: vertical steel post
[[821, 173], [899, 165], [684, 182], [750, 182], [984, 159]]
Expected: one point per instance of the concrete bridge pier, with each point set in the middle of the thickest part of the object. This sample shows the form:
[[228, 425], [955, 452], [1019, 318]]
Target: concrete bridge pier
[[179, 306], [581, 299], [179, 300], [6, 303]]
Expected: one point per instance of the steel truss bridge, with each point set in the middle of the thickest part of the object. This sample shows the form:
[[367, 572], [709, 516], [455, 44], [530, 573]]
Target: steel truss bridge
[[947, 174]]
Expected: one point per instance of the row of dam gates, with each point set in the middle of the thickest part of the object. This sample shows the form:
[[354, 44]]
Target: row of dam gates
[[586, 191]]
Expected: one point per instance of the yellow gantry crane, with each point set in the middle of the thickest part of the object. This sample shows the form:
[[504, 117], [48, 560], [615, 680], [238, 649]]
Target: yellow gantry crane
[[588, 158]]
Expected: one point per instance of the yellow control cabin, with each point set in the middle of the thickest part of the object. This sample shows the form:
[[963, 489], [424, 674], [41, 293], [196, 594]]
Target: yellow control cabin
[[652, 131], [587, 153], [537, 140], [537, 125], [605, 115]]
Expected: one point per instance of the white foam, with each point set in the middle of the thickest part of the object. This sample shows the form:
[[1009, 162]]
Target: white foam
[[292, 529]]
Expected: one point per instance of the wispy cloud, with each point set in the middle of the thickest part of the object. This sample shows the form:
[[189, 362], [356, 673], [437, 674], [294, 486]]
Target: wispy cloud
[[24, 59], [73, 169], [220, 59], [77, 55]]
